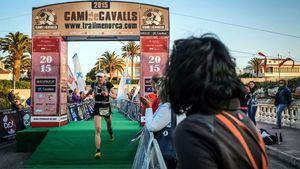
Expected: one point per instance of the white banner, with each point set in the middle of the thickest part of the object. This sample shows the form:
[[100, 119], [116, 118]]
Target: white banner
[[71, 80], [78, 73], [136, 91], [121, 90]]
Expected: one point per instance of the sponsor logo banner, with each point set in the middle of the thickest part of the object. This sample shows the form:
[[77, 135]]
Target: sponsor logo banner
[[98, 18], [9, 124]]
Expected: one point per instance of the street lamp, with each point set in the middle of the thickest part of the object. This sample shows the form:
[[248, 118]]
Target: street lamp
[[263, 55], [281, 63], [265, 64]]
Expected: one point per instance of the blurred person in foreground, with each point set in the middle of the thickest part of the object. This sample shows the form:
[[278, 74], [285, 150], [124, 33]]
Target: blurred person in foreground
[[202, 82]]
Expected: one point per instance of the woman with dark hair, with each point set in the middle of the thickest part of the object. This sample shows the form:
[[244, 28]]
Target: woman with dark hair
[[160, 122], [202, 83], [252, 101]]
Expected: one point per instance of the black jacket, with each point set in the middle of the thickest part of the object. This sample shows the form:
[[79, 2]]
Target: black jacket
[[283, 96], [201, 141]]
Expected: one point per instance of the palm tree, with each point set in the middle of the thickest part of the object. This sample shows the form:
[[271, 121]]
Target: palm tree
[[255, 64], [131, 50], [110, 62], [16, 45]]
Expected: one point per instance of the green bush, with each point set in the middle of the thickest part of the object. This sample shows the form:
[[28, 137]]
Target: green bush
[[245, 75], [291, 83], [6, 86]]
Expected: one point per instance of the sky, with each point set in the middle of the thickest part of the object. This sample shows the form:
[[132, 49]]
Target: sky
[[274, 26]]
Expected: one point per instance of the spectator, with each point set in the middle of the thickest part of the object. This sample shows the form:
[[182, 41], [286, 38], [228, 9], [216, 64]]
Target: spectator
[[283, 100], [244, 100], [75, 96], [202, 82], [252, 101], [153, 96], [82, 96], [130, 94], [160, 121], [86, 90], [89, 95], [69, 98], [12, 99]]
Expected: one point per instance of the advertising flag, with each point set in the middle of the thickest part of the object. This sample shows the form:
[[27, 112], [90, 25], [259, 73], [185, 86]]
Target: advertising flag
[[78, 73], [136, 91], [71, 80], [121, 89]]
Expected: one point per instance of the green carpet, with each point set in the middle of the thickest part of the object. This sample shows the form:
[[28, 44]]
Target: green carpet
[[73, 146]]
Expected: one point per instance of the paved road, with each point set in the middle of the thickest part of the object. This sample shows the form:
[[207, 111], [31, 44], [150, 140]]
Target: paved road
[[277, 164], [9, 159]]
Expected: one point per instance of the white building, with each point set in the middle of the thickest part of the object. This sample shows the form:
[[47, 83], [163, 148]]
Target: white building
[[5, 74], [274, 70]]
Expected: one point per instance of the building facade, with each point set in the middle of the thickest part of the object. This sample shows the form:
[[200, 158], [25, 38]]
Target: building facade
[[273, 70]]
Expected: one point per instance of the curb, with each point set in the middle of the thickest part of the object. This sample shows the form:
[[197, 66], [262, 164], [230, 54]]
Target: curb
[[285, 157]]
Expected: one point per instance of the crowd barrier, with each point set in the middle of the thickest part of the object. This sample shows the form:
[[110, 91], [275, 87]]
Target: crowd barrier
[[131, 110], [81, 111], [12, 121], [148, 154]]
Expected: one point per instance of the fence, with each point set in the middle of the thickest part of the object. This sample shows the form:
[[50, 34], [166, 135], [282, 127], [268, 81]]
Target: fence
[[148, 154], [129, 109], [12, 121], [266, 112], [81, 111]]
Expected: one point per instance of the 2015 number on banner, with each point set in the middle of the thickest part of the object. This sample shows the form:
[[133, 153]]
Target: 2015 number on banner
[[46, 63], [154, 63]]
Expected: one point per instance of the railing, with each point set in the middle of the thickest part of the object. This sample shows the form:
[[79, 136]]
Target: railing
[[266, 112], [129, 109], [148, 154], [81, 111]]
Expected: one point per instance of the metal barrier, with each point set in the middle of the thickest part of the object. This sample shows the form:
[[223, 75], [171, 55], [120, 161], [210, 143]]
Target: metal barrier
[[148, 154], [81, 111], [129, 109]]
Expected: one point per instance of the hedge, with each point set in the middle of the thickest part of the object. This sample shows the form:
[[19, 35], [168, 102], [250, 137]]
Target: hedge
[[6, 86]]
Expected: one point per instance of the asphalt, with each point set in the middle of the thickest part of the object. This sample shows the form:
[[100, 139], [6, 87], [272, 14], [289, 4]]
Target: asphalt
[[10, 158], [288, 150]]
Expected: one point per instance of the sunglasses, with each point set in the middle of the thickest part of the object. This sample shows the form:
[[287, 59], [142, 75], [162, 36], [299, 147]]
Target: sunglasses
[[99, 76]]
